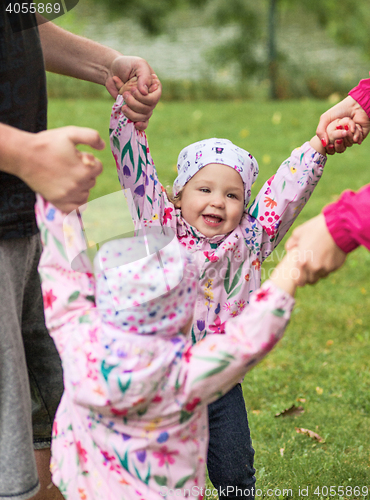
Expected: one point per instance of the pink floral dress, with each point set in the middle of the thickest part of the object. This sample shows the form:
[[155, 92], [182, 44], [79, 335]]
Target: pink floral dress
[[132, 423]]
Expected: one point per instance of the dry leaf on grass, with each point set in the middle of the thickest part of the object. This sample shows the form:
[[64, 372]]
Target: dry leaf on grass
[[311, 434], [293, 411]]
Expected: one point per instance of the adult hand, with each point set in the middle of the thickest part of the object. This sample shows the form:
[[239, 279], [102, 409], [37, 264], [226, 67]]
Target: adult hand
[[346, 108], [139, 102], [317, 251], [52, 166]]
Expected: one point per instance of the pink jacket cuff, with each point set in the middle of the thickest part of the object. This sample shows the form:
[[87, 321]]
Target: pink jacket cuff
[[348, 221], [361, 94]]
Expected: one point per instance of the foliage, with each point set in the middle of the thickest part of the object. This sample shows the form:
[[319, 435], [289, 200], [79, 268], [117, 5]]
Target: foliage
[[347, 22], [149, 13], [255, 30], [241, 48]]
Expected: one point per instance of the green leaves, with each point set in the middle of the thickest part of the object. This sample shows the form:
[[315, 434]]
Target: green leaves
[[123, 460], [60, 248], [106, 369], [232, 289], [116, 143], [124, 387], [160, 480], [74, 296], [180, 483], [127, 149]]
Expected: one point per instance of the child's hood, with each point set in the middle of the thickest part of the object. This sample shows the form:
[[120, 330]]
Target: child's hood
[[144, 284], [222, 151]]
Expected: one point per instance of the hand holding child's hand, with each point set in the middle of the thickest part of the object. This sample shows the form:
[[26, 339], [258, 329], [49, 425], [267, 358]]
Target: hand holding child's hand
[[349, 133], [348, 107], [317, 252], [342, 134], [130, 89]]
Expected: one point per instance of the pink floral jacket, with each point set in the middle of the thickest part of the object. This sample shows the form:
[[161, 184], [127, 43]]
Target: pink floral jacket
[[132, 423], [228, 266]]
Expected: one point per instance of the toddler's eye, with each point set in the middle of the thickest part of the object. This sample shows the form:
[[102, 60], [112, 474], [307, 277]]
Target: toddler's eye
[[204, 190], [231, 195]]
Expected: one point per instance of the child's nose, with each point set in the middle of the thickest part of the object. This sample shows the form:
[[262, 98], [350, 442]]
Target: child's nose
[[218, 201]]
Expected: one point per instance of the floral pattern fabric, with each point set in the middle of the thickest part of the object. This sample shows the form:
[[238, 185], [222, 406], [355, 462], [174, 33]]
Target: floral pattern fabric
[[228, 266], [132, 422]]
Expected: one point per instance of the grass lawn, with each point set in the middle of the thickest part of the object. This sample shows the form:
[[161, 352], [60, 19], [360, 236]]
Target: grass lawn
[[322, 364]]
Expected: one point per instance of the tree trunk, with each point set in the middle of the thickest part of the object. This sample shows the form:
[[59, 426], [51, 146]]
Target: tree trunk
[[272, 61]]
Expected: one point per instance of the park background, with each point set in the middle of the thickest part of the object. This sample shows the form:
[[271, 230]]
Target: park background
[[298, 58]]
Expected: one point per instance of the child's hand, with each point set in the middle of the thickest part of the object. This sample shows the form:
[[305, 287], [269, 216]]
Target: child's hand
[[348, 107], [130, 89], [342, 133], [353, 134], [289, 273], [131, 84]]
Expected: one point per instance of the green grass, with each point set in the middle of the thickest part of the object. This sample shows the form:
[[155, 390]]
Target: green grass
[[323, 359]]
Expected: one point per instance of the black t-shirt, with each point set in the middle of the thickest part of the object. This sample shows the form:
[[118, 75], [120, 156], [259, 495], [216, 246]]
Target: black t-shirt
[[23, 104]]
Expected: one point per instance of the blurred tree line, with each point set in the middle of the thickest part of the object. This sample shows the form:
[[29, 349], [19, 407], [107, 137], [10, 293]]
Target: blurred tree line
[[346, 22]]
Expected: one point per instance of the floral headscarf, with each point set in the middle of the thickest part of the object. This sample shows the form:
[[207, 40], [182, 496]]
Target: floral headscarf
[[222, 151]]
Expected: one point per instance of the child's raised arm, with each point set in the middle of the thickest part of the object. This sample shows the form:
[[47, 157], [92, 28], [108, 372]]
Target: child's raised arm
[[281, 199], [135, 167]]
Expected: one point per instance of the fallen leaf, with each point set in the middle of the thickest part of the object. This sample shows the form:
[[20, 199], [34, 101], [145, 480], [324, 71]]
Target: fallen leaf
[[319, 390], [282, 452], [301, 400], [293, 411], [266, 159], [276, 118], [256, 412], [330, 342], [311, 434]]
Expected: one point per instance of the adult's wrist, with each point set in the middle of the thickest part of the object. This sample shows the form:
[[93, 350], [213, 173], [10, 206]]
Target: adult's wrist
[[13, 144], [361, 94]]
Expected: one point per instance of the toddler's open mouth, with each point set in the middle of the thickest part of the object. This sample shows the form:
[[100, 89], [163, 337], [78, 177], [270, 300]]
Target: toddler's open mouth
[[212, 220]]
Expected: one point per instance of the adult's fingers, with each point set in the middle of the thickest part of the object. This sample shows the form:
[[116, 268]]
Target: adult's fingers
[[358, 136], [345, 108], [84, 135]]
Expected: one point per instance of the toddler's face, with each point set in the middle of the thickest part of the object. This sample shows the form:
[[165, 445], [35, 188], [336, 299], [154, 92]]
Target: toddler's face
[[213, 200]]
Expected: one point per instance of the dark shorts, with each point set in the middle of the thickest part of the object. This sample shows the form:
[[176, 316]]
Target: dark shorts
[[29, 365]]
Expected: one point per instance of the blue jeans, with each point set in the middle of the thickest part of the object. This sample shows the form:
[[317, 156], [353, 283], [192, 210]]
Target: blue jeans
[[230, 452]]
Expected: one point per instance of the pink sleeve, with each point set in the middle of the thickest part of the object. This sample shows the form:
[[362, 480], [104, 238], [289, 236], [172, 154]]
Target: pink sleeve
[[348, 219], [68, 289], [212, 366], [136, 169], [361, 94], [282, 197]]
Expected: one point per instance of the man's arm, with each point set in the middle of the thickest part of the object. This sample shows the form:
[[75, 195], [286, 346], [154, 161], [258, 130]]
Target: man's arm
[[72, 55], [50, 164]]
